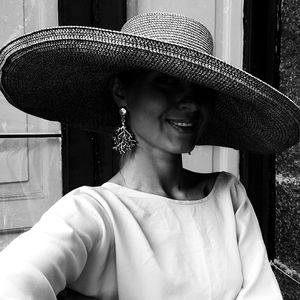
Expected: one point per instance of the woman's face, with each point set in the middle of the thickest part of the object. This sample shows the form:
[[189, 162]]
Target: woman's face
[[166, 113]]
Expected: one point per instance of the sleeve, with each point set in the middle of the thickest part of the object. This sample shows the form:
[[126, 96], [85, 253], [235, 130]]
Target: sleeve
[[39, 263], [259, 282]]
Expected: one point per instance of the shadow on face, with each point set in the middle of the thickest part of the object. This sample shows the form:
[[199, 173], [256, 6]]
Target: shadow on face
[[165, 112]]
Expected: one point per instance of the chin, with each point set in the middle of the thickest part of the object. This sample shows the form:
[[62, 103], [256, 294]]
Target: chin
[[184, 149], [187, 150]]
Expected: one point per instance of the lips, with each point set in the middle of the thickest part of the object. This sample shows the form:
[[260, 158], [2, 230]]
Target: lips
[[183, 125]]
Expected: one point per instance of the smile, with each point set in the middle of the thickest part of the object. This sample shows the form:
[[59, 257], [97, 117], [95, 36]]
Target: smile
[[183, 126]]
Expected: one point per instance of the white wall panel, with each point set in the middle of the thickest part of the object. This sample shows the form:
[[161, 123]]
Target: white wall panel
[[30, 169]]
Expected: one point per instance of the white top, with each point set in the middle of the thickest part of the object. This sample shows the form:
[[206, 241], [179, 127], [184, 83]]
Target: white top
[[113, 242]]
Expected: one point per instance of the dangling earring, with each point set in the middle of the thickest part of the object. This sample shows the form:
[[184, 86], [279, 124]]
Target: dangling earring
[[123, 140]]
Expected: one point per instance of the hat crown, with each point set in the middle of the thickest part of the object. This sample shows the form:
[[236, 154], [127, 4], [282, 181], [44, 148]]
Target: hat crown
[[171, 28]]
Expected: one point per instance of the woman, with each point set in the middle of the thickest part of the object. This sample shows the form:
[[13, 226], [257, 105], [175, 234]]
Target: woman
[[155, 230]]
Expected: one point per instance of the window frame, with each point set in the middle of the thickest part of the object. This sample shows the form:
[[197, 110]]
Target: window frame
[[262, 58], [83, 152]]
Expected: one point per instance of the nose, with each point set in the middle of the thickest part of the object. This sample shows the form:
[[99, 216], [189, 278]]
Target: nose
[[185, 94]]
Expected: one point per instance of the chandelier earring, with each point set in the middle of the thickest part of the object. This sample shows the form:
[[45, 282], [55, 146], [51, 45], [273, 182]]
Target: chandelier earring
[[123, 140]]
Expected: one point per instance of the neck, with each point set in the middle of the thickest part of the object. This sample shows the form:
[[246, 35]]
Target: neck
[[153, 171]]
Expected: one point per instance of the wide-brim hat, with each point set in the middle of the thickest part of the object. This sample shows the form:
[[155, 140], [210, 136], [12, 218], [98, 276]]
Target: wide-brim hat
[[62, 74]]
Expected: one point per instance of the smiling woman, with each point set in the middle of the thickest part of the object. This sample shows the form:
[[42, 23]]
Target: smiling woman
[[164, 112], [154, 230]]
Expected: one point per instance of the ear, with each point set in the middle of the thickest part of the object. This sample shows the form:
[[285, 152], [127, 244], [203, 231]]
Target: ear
[[119, 92]]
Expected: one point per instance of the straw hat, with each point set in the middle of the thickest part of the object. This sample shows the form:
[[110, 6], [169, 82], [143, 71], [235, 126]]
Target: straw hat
[[62, 73]]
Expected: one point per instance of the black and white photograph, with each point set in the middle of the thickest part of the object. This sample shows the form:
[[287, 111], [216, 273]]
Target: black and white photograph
[[149, 150]]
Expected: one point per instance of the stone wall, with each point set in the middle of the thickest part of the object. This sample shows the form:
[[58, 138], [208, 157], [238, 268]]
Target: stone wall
[[287, 231]]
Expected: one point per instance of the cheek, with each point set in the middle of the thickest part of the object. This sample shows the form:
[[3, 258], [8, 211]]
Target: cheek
[[146, 121], [139, 120], [146, 108]]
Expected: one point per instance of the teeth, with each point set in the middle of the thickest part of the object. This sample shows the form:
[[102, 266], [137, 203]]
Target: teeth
[[182, 124]]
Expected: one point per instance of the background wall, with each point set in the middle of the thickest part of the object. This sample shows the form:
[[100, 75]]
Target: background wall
[[30, 147], [287, 229]]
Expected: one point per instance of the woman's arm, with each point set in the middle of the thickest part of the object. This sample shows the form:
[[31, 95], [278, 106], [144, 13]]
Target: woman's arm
[[41, 262], [258, 279]]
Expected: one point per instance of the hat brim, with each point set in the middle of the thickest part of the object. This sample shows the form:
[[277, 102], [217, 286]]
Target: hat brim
[[62, 74]]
